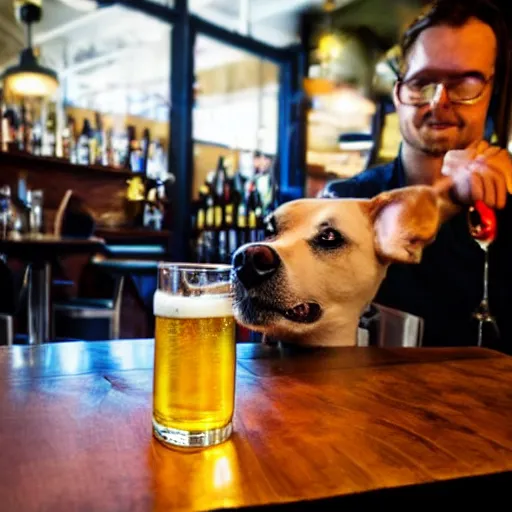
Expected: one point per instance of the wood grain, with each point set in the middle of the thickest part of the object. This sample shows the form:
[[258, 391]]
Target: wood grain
[[75, 427]]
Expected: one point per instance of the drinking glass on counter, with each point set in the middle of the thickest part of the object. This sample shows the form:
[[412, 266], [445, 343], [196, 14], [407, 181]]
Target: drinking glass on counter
[[483, 227], [194, 361]]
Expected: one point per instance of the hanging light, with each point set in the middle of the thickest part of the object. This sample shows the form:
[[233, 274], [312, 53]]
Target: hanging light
[[329, 48], [29, 78], [330, 44]]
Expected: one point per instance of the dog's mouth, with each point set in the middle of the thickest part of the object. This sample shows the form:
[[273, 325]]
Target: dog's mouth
[[303, 313]]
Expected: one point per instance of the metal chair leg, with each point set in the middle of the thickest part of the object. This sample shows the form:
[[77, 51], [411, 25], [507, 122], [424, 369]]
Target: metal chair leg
[[115, 322], [6, 330]]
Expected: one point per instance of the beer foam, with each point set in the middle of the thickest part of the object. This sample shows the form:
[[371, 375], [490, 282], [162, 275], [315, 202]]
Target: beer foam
[[205, 306]]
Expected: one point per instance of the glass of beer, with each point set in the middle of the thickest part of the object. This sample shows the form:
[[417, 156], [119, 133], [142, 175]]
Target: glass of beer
[[194, 361]]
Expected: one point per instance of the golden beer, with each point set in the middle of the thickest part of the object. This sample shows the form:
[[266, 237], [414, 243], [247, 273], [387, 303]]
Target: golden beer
[[194, 372]]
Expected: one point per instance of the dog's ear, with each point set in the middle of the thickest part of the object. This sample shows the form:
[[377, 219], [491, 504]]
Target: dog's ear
[[405, 221]]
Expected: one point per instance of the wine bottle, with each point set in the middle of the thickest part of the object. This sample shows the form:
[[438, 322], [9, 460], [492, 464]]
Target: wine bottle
[[84, 144], [221, 236], [200, 224], [108, 155], [230, 218], [99, 138], [51, 132], [209, 230], [252, 219], [146, 142]]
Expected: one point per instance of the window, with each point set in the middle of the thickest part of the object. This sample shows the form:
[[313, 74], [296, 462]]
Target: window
[[274, 22]]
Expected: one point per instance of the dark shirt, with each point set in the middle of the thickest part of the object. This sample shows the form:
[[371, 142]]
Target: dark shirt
[[447, 286]]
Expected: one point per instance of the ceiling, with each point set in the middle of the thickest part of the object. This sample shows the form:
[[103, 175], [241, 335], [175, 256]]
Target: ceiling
[[105, 52], [98, 50], [79, 23]]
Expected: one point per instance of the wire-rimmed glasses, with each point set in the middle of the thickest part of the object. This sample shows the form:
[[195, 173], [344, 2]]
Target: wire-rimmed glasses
[[465, 89]]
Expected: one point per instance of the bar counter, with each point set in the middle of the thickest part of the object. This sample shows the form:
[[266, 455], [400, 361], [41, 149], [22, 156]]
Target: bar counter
[[347, 426]]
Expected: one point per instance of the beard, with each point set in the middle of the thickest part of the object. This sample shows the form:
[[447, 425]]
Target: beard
[[425, 139], [435, 147]]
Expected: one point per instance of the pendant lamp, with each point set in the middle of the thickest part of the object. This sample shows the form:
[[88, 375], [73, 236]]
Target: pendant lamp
[[28, 78]]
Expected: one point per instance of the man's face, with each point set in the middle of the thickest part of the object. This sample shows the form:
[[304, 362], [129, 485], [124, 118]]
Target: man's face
[[440, 53]]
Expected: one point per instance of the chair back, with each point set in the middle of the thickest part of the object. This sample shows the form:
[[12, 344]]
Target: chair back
[[397, 328]]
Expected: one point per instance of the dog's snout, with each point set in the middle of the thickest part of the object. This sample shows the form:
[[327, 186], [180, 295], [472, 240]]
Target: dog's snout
[[255, 263]]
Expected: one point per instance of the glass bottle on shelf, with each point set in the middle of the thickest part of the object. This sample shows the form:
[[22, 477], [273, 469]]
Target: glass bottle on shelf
[[209, 230], [144, 150], [99, 141], [230, 218], [69, 149], [219, 181], [37, 139], [200, 223], [84, 144], [50, 138], [130, 161], [108, 155]]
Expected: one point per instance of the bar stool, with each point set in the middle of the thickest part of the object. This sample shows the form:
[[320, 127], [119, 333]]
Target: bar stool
[[13, 294], [77, 318]]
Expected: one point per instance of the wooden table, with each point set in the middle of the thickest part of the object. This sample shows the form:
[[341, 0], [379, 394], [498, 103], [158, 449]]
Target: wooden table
[[332, 425]]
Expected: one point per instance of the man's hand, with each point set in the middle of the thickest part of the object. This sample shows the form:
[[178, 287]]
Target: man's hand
[[479, 173]]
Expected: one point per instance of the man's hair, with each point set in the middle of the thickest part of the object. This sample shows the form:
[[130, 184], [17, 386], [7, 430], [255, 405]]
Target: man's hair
[[456, 13]]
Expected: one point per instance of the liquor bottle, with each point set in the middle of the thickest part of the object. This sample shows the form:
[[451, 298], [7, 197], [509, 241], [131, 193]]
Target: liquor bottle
[[50, 148], [240, 210], [108, 154], [37, 139], [273, 199], [67, 141], [12, 123], [258, 210], [146, 143], [230, 210], [252, 211], [132, 161], [209, 229], [200, 223], [84, 144], [221, 236], [99, 141]]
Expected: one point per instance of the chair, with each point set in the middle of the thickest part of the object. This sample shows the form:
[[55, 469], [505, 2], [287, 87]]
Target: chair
[[82, 318], [397, 328], [13, 295]]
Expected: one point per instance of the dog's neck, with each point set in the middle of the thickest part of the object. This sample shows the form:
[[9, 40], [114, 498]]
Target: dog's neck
[[341, 334]]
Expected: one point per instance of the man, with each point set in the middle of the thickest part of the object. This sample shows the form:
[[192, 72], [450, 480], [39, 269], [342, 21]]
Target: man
[[452, 63]]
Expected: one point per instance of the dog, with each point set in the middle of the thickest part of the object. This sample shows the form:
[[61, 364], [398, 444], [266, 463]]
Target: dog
[[323, 260]]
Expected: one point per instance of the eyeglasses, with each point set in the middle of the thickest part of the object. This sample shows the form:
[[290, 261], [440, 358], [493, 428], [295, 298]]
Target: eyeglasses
[[464, 90]]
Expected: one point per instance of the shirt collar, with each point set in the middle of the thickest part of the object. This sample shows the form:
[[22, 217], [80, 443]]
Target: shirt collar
[[398, 177]]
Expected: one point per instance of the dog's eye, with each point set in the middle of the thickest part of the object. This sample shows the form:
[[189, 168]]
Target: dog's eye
[[270, 227], [329, 238]]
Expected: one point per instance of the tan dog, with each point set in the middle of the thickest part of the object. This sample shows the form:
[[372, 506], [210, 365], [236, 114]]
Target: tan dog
[[311, 280]]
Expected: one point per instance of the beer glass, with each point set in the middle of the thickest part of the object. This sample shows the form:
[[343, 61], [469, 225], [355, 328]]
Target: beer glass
[[194, 361]]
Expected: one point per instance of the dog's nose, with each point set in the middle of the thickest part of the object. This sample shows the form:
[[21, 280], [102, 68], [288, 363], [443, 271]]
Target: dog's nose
[[254, 264]]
